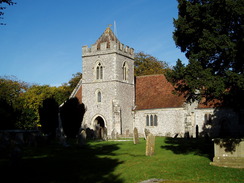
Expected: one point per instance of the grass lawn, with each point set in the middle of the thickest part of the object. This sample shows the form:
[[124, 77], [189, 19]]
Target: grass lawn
[[175, 160]]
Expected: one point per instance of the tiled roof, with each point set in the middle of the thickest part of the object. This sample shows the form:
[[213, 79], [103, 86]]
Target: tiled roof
[[79, 94], [154, 91], [210, 104], [107, 36]]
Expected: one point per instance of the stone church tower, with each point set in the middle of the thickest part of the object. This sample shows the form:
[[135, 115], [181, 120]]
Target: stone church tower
[[108, 85]]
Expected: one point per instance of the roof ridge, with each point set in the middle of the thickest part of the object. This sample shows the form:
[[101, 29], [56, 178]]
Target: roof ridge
[[150, 75]]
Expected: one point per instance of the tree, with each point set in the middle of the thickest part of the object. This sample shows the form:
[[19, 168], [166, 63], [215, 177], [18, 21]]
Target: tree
[[70, 86], [11, 89], [75, 80], [10, 103], [8, 115], [20, 102], [49, 117], [211, 34], [72, 113], [9, 2], [146, 64]]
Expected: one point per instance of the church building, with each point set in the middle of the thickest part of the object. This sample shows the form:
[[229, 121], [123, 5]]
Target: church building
[[117, 100]]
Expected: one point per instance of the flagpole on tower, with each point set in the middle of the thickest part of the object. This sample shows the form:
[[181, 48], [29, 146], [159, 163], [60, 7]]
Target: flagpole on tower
[[115, 29]]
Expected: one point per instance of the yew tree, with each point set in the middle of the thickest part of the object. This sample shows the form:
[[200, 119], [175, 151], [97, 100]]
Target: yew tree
[[211, 34]]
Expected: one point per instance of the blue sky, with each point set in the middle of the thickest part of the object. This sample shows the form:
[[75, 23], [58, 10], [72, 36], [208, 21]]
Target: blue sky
[[42, 40]]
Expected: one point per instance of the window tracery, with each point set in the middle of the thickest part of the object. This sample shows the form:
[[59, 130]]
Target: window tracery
[[99, 71]]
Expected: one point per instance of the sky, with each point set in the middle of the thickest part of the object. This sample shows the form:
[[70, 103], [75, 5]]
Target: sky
[[42, 39]]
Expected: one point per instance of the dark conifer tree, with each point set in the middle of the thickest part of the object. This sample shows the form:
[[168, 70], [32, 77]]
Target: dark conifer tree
[[211, 34]]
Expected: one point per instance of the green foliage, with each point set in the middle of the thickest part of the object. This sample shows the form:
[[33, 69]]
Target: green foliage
[[195, 82], [23, 100], [74, 80], [146, 64], [70, 86], [8, 115], [33, 98], [49, 116], [211, 33], [72, 113], [11, 91]]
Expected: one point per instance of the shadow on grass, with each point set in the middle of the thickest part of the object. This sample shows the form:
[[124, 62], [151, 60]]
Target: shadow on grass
[[201, 146], [60, 164]]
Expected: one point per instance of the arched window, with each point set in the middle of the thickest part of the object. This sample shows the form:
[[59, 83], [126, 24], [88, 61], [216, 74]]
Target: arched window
[[208, 118], [99, 71], [147, 120], [155, 120], [125, 71], [151, 120], [99, 97]]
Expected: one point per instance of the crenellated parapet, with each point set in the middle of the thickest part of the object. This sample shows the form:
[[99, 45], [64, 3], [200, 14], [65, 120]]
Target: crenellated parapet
[[107, 47]]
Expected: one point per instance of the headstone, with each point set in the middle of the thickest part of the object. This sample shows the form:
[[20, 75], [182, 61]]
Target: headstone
[[105, 134], [135, 136], [31, 139], [19, 138], [82, 138], [150, 145], [101, 133], [83, 134], [127, 133], [98, 131], [113, 134], [146, 132], [89, 133]]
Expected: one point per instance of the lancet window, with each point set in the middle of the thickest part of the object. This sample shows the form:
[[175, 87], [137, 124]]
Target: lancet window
[[99, 71], [151, 120], [99, 97], [125, 71]]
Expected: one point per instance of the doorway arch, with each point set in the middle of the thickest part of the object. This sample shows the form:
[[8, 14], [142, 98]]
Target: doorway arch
[[99, 127], [99, 121]]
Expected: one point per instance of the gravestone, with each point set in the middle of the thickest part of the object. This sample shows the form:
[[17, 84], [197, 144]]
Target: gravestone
[[82, 138], [146, 132], [228, 152], [150, 145], [105, 134], [113, 135], [127, 133], [101, 133], [19, 138], [98, 131], [135, 136], [90, 133]]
